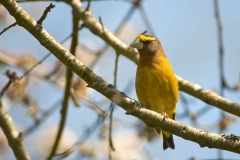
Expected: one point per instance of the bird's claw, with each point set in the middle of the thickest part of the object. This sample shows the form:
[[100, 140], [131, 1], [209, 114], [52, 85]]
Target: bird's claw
[[140, 105], [165, 115]]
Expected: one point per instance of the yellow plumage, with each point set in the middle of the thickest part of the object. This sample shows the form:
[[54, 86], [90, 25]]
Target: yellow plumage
[[156, 84]]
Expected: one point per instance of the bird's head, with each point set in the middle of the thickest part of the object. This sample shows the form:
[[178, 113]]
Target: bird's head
[[146, 44]]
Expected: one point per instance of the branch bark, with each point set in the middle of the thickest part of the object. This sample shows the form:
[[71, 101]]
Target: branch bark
[[208, 97], [203, 138], [13, 136]]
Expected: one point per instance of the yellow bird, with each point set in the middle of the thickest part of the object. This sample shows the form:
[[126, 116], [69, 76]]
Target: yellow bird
[[156, 84]]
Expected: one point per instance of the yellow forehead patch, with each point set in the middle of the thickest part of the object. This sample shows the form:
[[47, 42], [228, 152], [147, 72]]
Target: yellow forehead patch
[[144, 38]]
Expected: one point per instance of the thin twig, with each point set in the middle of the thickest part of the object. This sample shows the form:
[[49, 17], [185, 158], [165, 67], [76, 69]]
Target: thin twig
[[111, 146], [44, 15], [220, 45], [127, 16], [12, 76], [101, 22], [203, 111], [4, 89], [146, 19], [100, 111], [221, 64], [74, 98], [88, 5], [5, 29], [34, 66]]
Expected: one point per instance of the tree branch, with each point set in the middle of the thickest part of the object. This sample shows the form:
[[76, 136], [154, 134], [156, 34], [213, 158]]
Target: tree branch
[[7, 28], [13, 136], [209, 97], [149, 117], [112, 106]]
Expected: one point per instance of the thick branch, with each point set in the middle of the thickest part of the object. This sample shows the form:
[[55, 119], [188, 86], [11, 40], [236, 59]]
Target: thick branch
[[149, 117], [203, 138], [209, 97]]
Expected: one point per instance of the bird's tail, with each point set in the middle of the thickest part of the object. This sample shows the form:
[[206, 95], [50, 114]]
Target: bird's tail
[[168, 141]]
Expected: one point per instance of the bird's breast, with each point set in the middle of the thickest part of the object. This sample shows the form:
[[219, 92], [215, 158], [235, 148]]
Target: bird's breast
[[156, 86]]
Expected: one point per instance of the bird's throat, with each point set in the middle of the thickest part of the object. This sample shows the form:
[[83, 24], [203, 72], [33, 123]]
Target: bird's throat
[[147, 59]]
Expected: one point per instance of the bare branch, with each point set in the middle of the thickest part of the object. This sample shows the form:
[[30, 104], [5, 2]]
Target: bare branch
[[5, 29], [146, 19], [12, 76], [13, 136], [101, 22], [43, 17], [209, 97], [88, 6], [112, 148], [221, 64]]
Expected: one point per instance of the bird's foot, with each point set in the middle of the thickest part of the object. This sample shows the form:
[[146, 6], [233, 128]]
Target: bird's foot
[[140, 105], [165, 115]]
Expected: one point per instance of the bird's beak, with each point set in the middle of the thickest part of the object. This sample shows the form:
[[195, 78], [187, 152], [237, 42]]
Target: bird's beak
[[136, 44]]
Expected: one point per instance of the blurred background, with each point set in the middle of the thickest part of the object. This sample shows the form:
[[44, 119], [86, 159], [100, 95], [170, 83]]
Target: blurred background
[[190, 35]]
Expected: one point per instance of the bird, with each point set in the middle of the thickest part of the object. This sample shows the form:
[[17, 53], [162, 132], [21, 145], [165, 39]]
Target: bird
[[155, 83]]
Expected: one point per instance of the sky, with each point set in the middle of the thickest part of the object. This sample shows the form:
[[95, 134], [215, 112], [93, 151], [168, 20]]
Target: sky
[[188, 32]]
